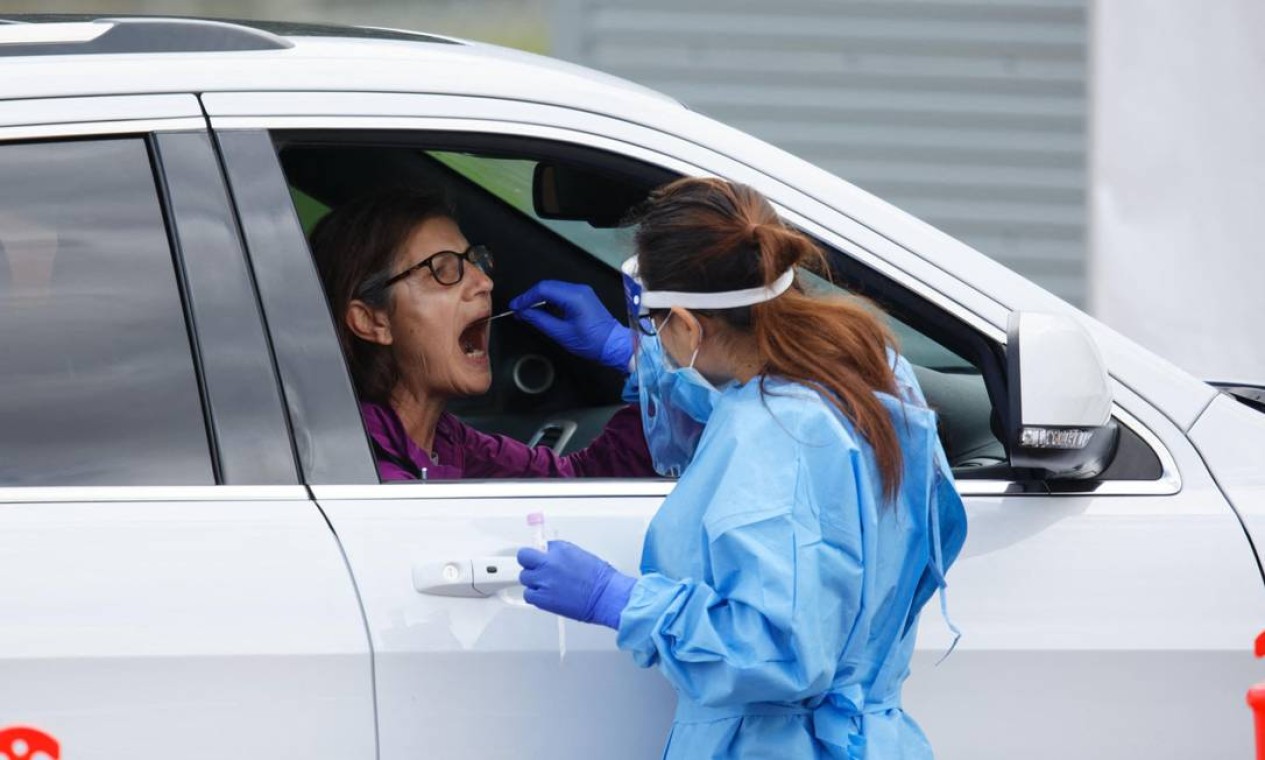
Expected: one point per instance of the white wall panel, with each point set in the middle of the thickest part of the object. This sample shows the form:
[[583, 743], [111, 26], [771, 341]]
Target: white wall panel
[[1178, 172]]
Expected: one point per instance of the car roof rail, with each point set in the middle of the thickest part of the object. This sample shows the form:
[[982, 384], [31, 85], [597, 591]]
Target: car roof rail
[[132, 35]]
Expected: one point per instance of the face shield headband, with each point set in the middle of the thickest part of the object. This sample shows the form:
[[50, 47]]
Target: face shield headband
[[677, 401], [641, 301]]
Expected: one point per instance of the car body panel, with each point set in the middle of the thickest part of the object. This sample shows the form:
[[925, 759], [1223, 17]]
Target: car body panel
[[167, 614], [62, 111], [1230, 437], [139, 617], [1081, 613], [484, 677]]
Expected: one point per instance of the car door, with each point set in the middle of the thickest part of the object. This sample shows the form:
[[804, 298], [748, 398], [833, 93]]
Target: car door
[[168, 586], [457, 673], [1086, 606]]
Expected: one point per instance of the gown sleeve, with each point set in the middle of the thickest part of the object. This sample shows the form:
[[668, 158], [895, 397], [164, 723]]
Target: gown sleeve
[[906, 380], [782, 532], [944, 498], [950, 531]]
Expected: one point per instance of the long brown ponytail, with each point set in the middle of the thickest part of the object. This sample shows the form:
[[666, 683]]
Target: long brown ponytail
[[709, 235]]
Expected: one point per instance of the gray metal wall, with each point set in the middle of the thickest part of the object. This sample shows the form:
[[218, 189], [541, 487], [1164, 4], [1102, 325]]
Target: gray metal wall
[[971, 114]]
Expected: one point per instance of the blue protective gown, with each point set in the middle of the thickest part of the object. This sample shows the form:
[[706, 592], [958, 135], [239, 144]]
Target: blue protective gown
[[778, 595]]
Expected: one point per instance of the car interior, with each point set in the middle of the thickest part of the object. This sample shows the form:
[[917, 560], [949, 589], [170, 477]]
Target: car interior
[[551, 211]]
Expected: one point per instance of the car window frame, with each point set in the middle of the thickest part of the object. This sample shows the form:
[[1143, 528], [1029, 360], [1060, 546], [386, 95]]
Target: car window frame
[[826, 224], [146, 118], [249, 430]]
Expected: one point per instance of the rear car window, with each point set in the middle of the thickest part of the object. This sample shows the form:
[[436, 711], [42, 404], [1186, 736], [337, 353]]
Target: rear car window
[[97, 383]]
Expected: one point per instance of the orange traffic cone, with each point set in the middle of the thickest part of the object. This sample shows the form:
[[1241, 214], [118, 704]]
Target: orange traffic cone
[[1256, 700]]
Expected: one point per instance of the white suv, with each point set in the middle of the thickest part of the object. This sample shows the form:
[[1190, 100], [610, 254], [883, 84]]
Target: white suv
[[197, 559]]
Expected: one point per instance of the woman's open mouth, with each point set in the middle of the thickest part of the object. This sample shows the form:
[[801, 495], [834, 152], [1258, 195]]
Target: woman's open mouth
[[473, 340]]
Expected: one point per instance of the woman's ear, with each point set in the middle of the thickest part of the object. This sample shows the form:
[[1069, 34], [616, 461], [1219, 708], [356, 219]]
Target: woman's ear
[[368, 323], [689, 329]]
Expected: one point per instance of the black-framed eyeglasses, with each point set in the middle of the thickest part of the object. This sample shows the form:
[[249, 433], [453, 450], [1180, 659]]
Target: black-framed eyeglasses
[[447, 267], [646, 324]]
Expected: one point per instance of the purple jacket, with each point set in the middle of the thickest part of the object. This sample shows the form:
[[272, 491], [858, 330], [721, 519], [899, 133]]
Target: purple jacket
[[463, 452]]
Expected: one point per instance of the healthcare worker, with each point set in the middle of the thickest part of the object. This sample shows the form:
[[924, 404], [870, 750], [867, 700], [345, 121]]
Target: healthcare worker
[[815, 513]]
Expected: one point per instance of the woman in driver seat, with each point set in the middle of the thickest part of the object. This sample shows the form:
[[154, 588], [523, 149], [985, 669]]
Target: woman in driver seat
[[411, 299]]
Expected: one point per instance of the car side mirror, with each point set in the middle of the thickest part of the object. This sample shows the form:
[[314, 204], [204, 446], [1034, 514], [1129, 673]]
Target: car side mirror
[[1060, 398]]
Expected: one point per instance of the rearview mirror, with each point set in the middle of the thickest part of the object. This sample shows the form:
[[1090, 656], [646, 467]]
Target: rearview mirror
[[1060, 398], [564, 191]]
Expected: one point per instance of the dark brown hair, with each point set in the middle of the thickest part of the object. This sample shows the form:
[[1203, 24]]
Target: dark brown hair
[[354, 247], [709, 235]]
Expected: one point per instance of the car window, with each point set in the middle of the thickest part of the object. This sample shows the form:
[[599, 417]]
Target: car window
[[493, 194], [954, 386], [919, 349], [309, 209], [540, 393], [97, 383]]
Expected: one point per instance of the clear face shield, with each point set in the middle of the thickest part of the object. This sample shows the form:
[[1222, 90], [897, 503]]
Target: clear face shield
[[676, 401], [671, 436]]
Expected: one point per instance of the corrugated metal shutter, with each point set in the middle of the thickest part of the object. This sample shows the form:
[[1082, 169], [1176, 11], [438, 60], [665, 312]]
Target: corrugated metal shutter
[[970, 115]]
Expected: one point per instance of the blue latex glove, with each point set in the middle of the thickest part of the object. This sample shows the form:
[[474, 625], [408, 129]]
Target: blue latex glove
[[585, 327], [573, 583]]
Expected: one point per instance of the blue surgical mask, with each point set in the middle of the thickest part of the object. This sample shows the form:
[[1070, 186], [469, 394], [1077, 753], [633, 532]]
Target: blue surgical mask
[[676, 403]]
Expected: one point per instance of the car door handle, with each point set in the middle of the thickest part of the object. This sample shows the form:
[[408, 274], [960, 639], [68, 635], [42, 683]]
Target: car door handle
[[478, 578]]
